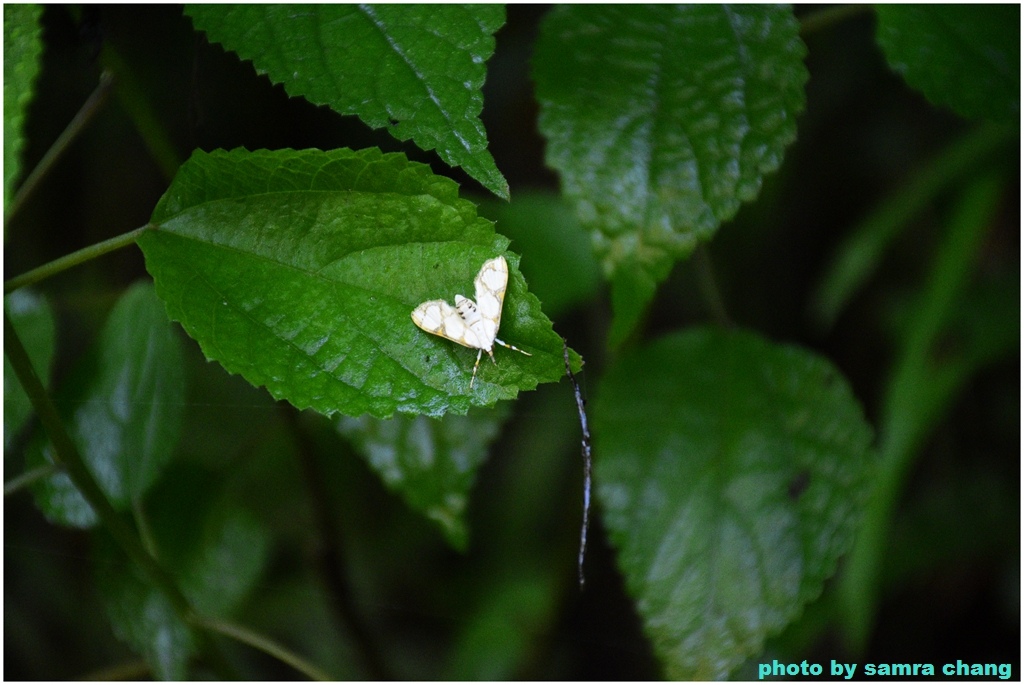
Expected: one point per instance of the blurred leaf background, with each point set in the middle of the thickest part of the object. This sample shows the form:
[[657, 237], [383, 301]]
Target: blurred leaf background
[[888, 242]]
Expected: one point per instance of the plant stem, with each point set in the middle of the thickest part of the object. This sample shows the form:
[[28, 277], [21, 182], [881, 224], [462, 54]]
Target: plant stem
[[24, 480], [823, 19], [708, 285], [331, 559], [132, 98], [74, 259], [84, 116], [918, 392], [67, 456], [862, 250], [264, 644]]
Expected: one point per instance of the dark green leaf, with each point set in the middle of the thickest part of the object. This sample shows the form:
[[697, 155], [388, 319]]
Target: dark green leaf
[[661, 120], [966, 57], [557, 260], [32, 318], [140, 614], [300, 269], [731, 473], [214, 550], [56, 496], [415, 69], [129, 401], [431, 463], [23, 48], [486, 649]]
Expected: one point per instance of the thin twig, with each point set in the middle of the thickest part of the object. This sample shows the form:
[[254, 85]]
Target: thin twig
[[822, 19], [74, 259], [31, 476], [266, 645], [709, 287], [587, 462], [67, 456], [331, 557], [85, 114], [132, 98]]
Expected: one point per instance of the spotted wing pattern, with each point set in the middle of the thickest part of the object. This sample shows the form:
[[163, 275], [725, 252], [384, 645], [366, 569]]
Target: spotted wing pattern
[[469, 323], [440, 318]]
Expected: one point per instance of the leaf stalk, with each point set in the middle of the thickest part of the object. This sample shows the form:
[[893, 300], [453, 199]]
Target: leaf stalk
[[84, 115], [265, 645], [74, 259]]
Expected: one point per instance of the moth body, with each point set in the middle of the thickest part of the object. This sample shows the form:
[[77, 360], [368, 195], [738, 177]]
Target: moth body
[[468, 323]]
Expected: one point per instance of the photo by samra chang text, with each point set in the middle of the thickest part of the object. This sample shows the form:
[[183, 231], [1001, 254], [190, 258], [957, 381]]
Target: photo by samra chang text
[[838, 669]]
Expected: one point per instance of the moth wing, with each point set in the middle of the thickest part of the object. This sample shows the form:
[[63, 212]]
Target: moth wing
[[490, 287], [442, 319]]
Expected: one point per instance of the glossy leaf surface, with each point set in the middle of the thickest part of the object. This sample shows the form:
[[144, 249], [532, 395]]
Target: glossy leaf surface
[[731, 474], [128, 398], [661, 120], [431, 463], [416, 70], [299, 270]]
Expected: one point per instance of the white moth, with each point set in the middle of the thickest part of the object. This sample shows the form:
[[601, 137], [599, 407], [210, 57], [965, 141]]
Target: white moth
[[469, 323]]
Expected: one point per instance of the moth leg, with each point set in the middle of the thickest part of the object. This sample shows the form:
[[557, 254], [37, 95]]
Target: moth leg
[[475, 367], [511, 347]]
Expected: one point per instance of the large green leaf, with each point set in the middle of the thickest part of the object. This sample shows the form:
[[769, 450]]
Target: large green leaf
[[299, 270], [215, 552], [661, 120], [560, 265], [966, 57], [431, 463], [128, 396], [23, 48], [32, 318], [731, 473], [415, 69]]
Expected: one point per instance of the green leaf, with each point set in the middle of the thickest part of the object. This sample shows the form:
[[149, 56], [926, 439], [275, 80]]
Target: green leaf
[[731, 474], [129, 398], [557, 260], [23, 49], [214, 547], [299, 270], [417, 70], [485, 648], [32, 318], [431, 463], [966, 57], [140, 614], [661, 120], [215, 550]]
